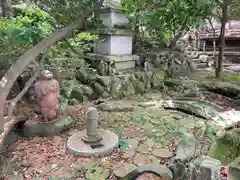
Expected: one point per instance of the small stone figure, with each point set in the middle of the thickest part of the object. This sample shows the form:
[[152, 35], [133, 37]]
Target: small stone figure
[[101, 68], [148, 66], [112, 67], [47, 92]]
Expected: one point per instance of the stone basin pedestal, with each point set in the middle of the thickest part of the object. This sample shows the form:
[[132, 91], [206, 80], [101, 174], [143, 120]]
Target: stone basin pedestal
[[91, 141]]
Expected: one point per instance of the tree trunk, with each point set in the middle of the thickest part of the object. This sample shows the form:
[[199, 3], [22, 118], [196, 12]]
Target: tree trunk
[[6, 7], [16, 69], [219, 63]]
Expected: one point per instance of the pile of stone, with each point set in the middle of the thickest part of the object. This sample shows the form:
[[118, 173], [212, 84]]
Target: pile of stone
[[88, 84]]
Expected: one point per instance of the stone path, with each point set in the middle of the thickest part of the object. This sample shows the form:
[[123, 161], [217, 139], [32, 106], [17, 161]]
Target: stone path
[[154, 143], [149, 133]]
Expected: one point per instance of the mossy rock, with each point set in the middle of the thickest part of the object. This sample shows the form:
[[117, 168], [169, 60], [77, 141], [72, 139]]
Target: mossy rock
[[227, 148], [99, 89], [234, 169], [176, 83], [232, 77], [226, 88], [87, 90], [157, 81], [77, 93], [47, 128], [139, 87], [86, 76], [67, 86]]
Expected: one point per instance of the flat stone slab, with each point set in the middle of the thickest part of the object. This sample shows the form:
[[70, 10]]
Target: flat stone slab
[[151, 103], [97, 173], [231, 117], [141, 159], [78, 147], [123, 171], [132, 143], [162, 153], [129, 153], [116, 106]]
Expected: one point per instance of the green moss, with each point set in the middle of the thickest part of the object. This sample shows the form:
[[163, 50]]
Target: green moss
[[234, 168], [77, 93], [226, 148], [236, 162], [233, 77]]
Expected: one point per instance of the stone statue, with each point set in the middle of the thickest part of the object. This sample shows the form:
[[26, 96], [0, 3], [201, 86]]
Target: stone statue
[[48, 92], [148, 66], [101, 68], [112, 67]]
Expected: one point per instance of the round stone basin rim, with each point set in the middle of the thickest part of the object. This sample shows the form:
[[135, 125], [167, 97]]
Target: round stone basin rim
[[76, 146]]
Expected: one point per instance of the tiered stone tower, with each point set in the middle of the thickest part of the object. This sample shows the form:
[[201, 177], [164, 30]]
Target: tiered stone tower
[[116, 37]]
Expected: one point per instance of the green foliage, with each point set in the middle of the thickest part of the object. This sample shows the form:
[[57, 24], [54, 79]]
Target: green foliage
[[227, 148], [22, 32], [123, 144], [64, 11], [68, 55], [31, 26], [81, 43], [163, 19]]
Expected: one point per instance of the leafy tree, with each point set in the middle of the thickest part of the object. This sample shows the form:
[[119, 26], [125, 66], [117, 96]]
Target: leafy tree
[[171, 18], [168, 20]]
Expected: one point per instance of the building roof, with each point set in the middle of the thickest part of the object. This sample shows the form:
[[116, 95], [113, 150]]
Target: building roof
[[232, 31]]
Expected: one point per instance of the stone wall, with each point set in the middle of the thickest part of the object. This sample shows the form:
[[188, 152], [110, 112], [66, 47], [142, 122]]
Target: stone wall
[[93, 86], [159, 59]]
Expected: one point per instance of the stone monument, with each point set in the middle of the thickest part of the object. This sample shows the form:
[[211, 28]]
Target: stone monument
[[91, 141], [116, 37]]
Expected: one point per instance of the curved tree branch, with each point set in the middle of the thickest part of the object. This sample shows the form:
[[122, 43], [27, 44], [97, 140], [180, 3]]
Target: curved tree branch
[[10, 77]]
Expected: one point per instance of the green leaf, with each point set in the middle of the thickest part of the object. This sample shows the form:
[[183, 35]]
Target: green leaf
[[118, 132], [123, 145]]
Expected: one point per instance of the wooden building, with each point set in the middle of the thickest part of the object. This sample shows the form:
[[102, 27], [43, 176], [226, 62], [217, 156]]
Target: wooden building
[[232, 37]]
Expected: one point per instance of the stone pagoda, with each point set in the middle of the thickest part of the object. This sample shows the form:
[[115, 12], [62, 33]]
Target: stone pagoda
[[116, 37]]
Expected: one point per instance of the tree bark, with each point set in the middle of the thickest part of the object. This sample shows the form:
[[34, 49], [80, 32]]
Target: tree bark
[[219, 63], [16, 69], [6, 6]]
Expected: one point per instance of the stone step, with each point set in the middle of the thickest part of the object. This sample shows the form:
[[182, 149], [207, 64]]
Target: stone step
[[201, 65], [196, 61]]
